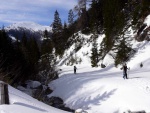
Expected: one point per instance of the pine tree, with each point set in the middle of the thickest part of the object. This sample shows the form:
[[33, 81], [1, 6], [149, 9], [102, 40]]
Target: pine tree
[[13, 66], [124, 51], [96, 16], [139, 9], [94, 54], [57, 34], [24, 47], [80, 7], [116, 26], [34, 53], [46, 35], [71, 23], [57, 25], [83, 16], [47, 44], [70, 17], [65, 35], [24, 39]]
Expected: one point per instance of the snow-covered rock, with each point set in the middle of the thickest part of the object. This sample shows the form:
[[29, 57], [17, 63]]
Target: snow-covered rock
[[33, 84]]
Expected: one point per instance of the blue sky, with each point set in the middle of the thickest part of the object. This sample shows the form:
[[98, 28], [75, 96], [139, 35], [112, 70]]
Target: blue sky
[[38, 11]]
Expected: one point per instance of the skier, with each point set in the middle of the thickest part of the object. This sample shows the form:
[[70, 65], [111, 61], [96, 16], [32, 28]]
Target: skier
[[75, 68], [125, 71]]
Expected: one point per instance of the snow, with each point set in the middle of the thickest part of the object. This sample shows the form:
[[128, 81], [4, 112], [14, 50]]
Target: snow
[[142, 55], [147, 20], [103, 90], [13, 38], [92, 90], [84, 53], [98, 90], [33, 84], [23, 103], [30, 86], [29, 25]]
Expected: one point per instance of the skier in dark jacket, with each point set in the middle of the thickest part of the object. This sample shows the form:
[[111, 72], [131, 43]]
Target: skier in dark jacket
[[75, 68], [125, 71]]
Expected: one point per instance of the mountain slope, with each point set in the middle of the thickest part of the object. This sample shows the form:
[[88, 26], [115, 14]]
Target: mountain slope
[[30, 28], [28, 25], [80, 51], [99, 90]]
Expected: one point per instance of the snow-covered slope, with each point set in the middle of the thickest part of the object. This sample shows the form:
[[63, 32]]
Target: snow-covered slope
[[29, 28], [99, 90], [28, 25], [142, 55], [23, 103], [82, 56], [94, 90]]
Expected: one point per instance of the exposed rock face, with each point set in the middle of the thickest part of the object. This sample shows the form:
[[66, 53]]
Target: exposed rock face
[[143, 33]]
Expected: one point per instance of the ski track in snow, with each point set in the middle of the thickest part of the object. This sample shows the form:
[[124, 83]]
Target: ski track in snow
[[102, 86], [3, 111]]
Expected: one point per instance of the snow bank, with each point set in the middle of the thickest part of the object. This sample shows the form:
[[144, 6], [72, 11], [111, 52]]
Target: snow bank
[[23, 103], [147, 20]]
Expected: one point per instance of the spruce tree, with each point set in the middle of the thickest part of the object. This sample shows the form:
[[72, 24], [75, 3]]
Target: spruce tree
[[124, 51], [34, 53], [47, 44], [57, 34], [70, 17], [57, 25], [94, 54], [13, 65], [96, 16], [24, 47], [83, 16], [115, 23]]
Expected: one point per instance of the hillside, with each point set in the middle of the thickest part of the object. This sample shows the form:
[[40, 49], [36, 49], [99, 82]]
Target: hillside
[[94, 90], [30, 28], [99, 38], [80, 52], [98, 90]]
